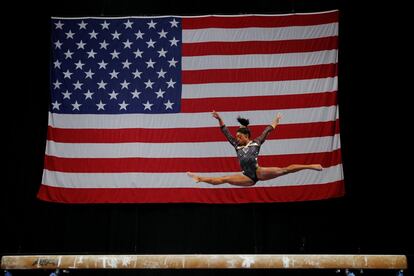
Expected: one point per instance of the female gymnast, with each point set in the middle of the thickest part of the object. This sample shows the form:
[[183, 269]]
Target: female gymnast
[[247, 152]]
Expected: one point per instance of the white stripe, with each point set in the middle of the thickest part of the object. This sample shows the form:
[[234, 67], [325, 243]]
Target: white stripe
[[188, 120], [178, 180], [195, 16], [187, 150], [246, 89], [260, 34], [259, 61]]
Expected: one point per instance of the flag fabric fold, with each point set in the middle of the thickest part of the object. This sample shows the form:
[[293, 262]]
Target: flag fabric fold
[[131, 101]]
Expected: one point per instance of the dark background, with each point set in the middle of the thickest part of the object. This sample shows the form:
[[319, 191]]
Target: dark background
[[374, 98]]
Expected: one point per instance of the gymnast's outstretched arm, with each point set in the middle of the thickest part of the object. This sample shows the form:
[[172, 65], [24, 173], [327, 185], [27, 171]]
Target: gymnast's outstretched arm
[[224, 129]]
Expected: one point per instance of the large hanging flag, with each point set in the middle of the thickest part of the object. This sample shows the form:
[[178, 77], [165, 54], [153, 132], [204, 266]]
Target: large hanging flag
[[131, 101]]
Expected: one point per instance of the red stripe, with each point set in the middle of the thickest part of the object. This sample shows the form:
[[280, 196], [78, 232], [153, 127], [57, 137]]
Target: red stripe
[[260, 21], [172, 135], [259, 103], [166, 165], [259, 47], [258, 74], [194, 195]]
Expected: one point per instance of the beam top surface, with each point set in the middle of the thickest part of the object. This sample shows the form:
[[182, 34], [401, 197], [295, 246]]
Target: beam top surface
[[211, 261]]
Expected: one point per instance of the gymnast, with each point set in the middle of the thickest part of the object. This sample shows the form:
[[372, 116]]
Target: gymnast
[[247, 152]]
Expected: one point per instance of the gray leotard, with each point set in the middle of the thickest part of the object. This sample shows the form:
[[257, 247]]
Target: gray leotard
[[248, 154]]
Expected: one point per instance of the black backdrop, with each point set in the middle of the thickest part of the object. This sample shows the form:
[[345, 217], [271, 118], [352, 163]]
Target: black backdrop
[[373, 218]]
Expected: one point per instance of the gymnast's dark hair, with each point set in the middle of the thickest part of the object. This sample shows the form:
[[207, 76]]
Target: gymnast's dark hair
[[244, 123]]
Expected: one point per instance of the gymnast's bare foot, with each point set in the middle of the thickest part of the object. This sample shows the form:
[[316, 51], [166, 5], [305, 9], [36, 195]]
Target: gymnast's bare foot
[[316, 167], [193, 176]]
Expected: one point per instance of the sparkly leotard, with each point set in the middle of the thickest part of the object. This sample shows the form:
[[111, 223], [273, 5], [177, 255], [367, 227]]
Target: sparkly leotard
[[247, 154]]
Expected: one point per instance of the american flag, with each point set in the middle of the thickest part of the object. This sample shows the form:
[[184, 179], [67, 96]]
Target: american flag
[[131, 101]]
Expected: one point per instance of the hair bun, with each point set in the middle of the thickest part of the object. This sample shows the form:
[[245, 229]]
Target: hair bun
[[243, 121]]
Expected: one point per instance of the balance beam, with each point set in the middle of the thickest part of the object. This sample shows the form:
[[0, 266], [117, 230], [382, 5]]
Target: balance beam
[[204, 262]]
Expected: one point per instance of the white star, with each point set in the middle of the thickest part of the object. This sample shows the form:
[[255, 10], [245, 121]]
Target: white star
[[89, 74], [88, 94], [161, 73], [168, 105], [115, 35], [147, 105], [102, 64], [172, 62], [93, 34], [104, 44], [151, 24], [123, 105], [160, 93], [82, 25], [78, 85], [114, 74], [126, 64], [66, 95], [56, 105], [115, 54], [57, 64], [101, 105], [101, 84], [67, 74], [149, 84], [68, 54], [59, 25], [79, 65], [137, 74], [69, 34], [81, 45], [76, 105], [124, 84], [163, 33], [57, 84], [135, 94], [174, 23], [171, 83], [127, 44], [139, 34], [150, 63], [138, 53], [113, 95], [162, 52], [105, 25], [128, 24], [91, 53], [151, 43], [58, 44], [174, 41]]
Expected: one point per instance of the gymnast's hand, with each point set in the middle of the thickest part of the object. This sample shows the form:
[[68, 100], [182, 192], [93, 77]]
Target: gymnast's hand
[[276, 120], [217, 116]]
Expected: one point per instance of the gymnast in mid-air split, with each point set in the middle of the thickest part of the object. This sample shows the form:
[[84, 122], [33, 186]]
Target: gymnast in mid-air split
[[247, 152]]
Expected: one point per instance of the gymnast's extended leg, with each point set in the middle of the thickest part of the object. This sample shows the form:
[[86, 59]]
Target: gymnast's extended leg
[[235, 179], [266, 173]]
